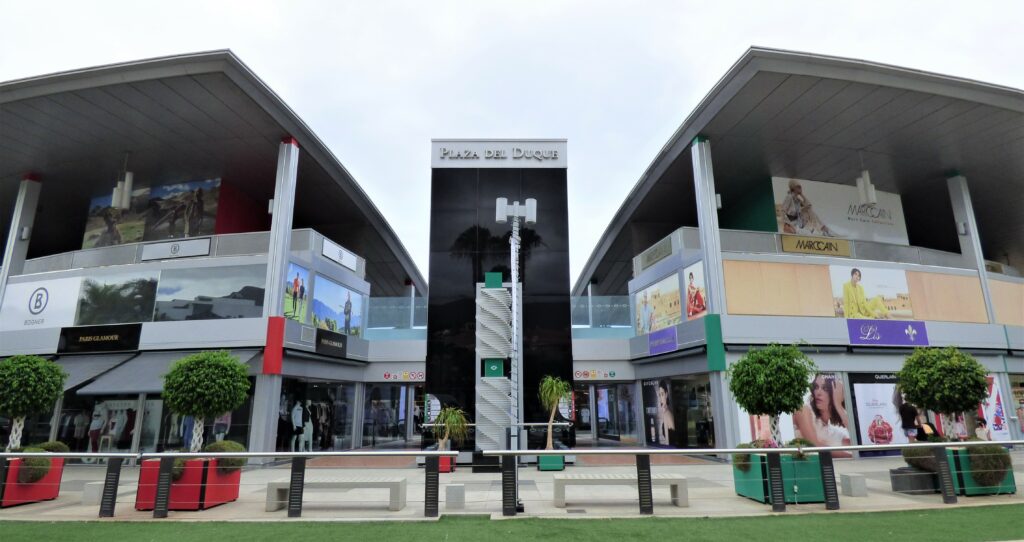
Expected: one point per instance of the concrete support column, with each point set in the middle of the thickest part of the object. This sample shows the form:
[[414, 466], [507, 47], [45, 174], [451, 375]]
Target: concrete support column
[[266, 400], [724, 411], [267, 395], [967, 233], [281, 226], [21, 231], [707, 219]]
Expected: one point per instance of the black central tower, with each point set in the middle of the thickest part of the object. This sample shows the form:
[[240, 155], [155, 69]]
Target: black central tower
[[467, 176]]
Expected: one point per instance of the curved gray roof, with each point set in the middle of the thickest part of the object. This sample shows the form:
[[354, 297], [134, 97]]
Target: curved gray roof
[[774, 108], [187, 105]]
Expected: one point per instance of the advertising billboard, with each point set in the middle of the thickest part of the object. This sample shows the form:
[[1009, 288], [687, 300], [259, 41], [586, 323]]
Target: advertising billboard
[[336, 308], [659, 418], [835, 210], [696, 291], [658, 306], [296, 293], [993, 411], [870, 293], [877, 403], [823, 419]]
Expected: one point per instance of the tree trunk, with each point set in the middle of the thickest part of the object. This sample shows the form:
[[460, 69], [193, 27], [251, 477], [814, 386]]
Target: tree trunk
[[442, 445], [773, 422], [17, 425], [551, 424], [197, 435]]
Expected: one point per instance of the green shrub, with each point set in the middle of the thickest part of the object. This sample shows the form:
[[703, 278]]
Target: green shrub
[[33, 469], [54, 446], [28, 385], [228, 464], [921, 458], [742, 461], [799, 443], [943, 380], [771, 380], [205, 385], [989, 464]]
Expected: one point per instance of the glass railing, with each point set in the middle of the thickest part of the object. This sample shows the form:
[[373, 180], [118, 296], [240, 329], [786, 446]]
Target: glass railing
[[397, 313], [600, 311]]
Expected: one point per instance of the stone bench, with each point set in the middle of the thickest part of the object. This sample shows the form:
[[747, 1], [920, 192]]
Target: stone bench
[[676, 483], [854, 485], [277, 492]]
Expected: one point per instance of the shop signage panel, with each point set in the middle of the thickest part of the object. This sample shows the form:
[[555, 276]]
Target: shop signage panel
[[334, 252], [831, 210], [823, 246], [40, 304], [331, 344], [498, 154], [655, 253], [887, 333], [109, 338], [176, 249], [662, 341], [592, 374], [403, 376]]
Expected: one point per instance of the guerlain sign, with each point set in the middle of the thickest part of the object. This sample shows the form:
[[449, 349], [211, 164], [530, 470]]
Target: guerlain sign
[[459, 153]]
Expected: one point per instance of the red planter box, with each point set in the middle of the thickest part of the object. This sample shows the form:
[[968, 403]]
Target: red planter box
[[201, 486], [445, 464], [47, 489]]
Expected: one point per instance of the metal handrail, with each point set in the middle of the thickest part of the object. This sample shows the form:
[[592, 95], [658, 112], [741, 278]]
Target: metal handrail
[[709, 451], [208, 455], [543, 424], [70, 455]]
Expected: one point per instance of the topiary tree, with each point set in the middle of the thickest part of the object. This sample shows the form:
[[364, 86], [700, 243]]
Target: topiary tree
[[205, 385], [943, 380], [552, 390], [772, 380], [450, 424], [28, 385]]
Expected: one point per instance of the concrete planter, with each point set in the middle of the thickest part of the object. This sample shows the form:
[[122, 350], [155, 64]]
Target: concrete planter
[[201, 486], [801, 479], [13, 492]]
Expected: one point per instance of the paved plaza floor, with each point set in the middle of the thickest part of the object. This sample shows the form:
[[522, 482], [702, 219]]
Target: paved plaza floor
[[711, 494]]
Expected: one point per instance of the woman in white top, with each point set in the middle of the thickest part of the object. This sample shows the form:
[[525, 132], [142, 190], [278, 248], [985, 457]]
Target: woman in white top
[[823, 420]]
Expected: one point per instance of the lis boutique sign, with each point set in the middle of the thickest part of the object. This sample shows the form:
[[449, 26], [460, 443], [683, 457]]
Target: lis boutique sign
[[887, 332]]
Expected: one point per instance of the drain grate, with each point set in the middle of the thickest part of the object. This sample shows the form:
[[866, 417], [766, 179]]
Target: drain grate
[[575, 511]]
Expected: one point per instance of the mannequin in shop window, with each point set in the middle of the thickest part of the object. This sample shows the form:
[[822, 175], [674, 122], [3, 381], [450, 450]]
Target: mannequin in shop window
[[307, 427], [297, 428], [81, 423], [187, 424], [99, 420], [221, 426]]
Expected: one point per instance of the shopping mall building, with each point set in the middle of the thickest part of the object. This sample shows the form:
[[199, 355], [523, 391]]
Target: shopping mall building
[[167, 206]]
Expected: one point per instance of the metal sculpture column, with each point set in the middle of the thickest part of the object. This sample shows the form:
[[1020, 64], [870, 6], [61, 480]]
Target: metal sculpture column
[[528, 212]]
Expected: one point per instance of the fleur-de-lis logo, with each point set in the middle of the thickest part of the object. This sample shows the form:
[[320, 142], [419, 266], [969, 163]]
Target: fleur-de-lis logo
[[910, 332]]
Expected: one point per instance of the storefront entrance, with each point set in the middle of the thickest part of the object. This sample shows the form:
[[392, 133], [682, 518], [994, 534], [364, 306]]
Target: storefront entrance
[[616, 418]]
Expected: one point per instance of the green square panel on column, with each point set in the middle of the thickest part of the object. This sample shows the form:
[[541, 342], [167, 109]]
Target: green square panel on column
[[494, 367], [492, 280]]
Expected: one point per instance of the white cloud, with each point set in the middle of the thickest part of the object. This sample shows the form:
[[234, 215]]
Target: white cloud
[[377, 80]]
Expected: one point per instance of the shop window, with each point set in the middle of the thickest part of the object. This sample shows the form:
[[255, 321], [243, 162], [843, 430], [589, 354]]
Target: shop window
[[315, 416]]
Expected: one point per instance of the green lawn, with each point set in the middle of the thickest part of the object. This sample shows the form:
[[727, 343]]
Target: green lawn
[[960, 524]]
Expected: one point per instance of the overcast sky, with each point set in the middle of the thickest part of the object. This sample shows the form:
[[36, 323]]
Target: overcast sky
[[377, 80]]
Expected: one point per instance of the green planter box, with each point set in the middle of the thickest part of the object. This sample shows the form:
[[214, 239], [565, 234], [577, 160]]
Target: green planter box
[[550, 462], [963, 480], [801, 479]]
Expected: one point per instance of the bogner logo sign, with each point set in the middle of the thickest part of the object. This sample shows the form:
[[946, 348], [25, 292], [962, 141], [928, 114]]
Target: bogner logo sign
[[815, 245]]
